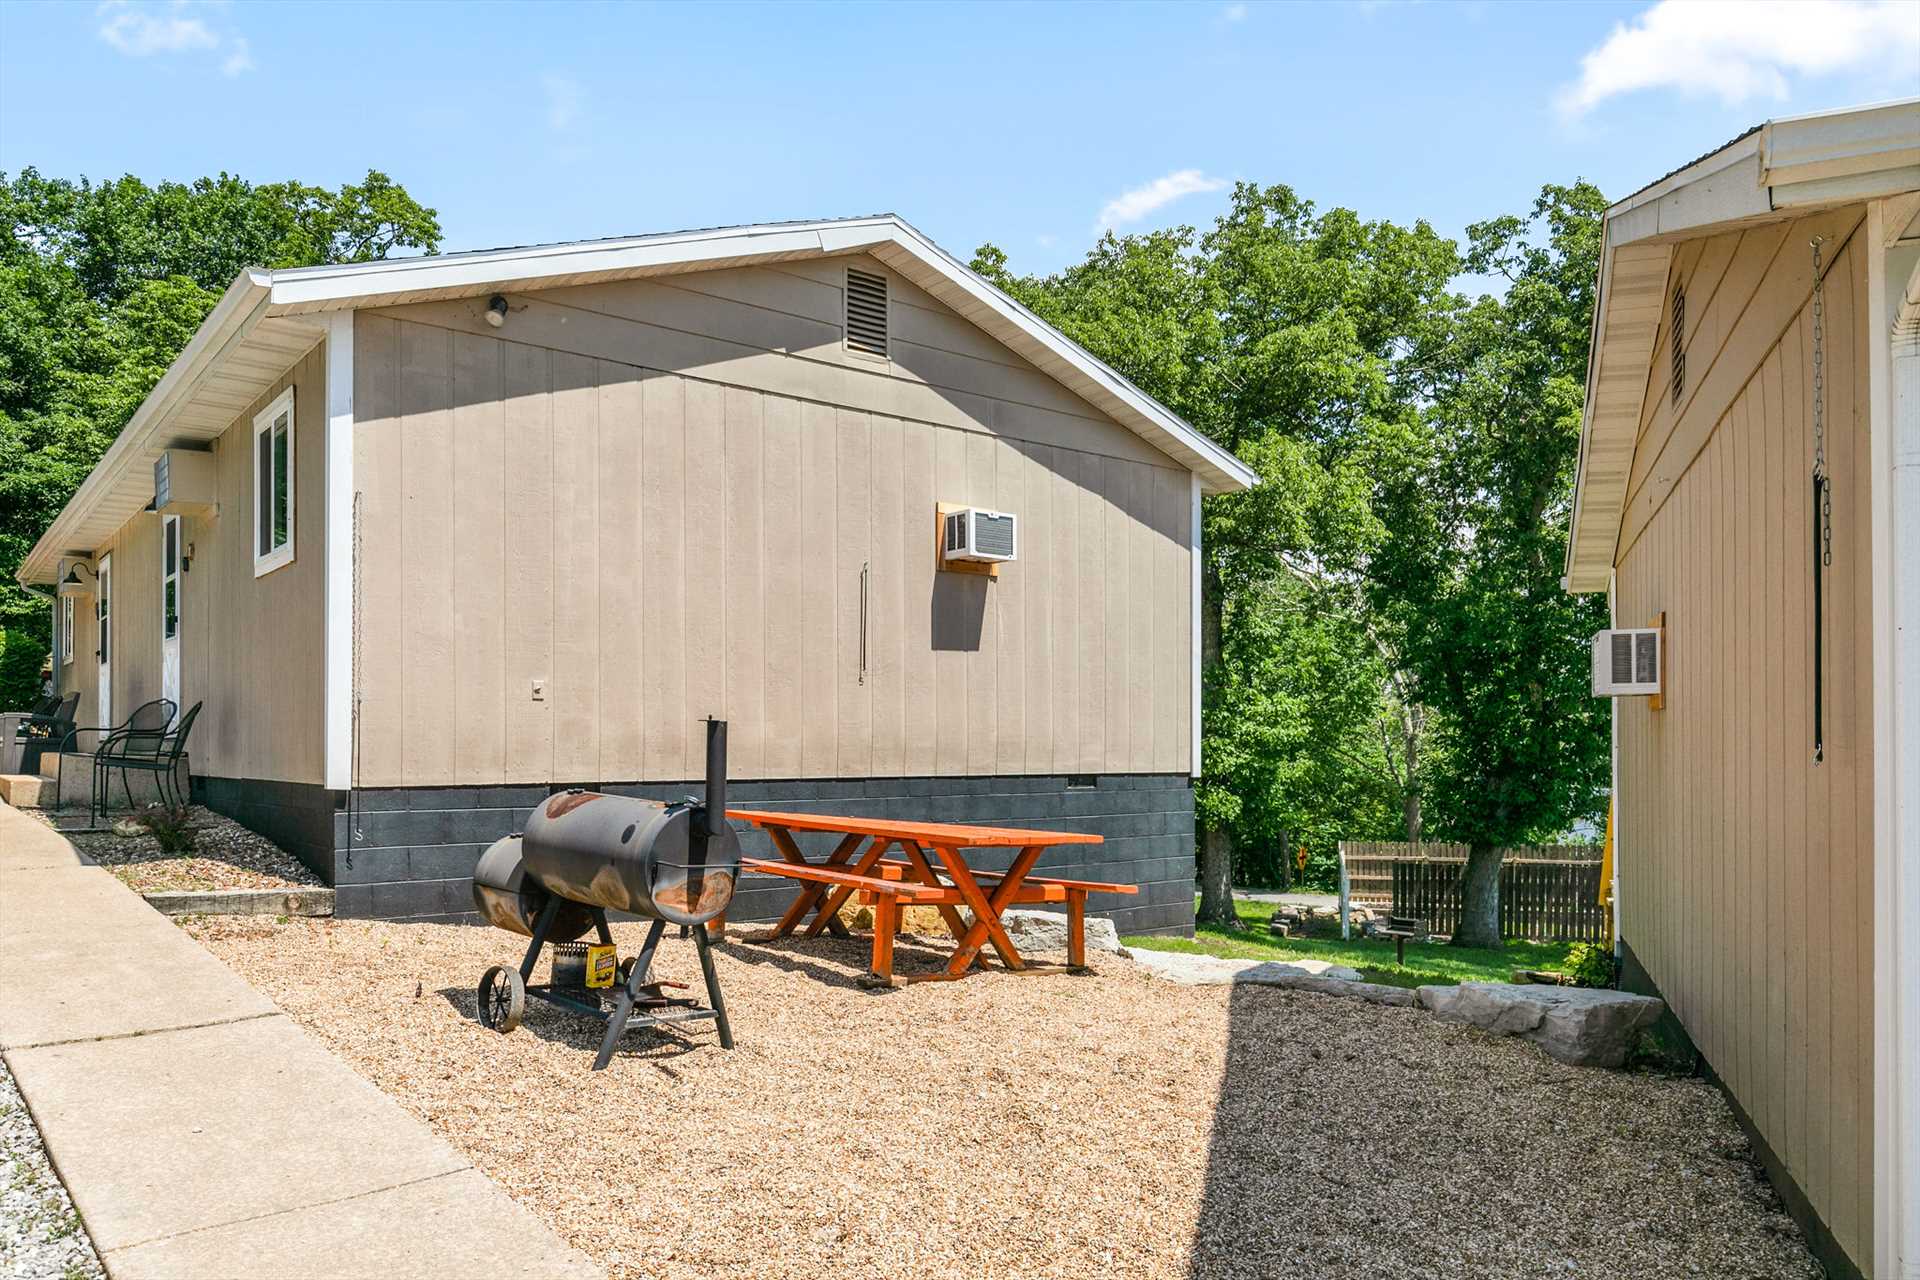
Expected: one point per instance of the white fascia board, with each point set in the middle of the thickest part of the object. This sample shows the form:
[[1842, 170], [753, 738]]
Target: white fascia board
[[363, 284], [339, 531], [240, 308], [1838, 144]]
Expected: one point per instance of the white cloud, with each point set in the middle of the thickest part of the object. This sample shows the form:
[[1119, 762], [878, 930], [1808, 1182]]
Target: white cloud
[[239, 59], [565, 101], [1133, 205], [1737, 50], [141, 30], [1234, 12]]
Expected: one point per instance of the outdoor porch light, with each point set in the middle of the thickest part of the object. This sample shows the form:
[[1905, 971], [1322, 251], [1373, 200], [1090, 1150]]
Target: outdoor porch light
[[496, 310], [75, 585]]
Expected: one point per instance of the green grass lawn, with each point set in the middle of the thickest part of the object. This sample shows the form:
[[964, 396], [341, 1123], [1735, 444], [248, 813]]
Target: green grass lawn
[[1427, 963]]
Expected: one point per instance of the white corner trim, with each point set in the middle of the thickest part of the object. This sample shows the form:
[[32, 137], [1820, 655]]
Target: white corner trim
[[1194, 579], [1893, 381], [339, 556], [1613, 766]]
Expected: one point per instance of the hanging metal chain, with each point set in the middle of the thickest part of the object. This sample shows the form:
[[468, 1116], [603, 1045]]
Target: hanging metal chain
[[1823, 511], [1820, 409]]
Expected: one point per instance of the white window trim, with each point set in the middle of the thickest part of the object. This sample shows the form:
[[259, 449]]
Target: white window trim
[[66, 631], [266, 563]]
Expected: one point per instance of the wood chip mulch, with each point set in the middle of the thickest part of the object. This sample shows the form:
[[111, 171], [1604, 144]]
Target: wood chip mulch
[[1109, 1125], [225, 856]]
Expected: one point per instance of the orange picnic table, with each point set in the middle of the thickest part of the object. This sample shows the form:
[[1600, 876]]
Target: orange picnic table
[[859, 864]]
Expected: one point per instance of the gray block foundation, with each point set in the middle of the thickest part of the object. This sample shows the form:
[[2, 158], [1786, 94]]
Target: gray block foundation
[[408, 853]]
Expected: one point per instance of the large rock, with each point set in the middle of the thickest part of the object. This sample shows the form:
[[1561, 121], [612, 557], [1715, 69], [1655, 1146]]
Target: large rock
[[1580, 1026], [1047, 931]]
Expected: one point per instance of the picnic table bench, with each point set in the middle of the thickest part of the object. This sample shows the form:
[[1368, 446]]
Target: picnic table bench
[[858, 864]]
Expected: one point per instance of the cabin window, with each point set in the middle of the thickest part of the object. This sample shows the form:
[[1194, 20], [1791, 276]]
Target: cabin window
[[1679, 345], [66, 631], [273, 485]]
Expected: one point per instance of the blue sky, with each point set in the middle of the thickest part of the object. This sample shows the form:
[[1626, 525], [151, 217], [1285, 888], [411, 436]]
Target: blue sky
[[1031, 126]]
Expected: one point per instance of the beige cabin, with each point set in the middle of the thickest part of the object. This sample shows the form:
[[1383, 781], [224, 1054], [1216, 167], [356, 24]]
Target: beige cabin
[[1767, 853], [452, 532]]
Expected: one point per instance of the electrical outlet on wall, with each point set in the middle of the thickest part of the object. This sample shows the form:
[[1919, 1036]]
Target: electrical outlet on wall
[[539, 688]]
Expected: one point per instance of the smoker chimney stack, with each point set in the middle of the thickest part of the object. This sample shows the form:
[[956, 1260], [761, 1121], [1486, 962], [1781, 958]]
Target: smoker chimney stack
[[714, 820]]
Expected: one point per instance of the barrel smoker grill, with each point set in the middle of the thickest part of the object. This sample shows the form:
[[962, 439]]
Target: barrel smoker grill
[[584, 854]]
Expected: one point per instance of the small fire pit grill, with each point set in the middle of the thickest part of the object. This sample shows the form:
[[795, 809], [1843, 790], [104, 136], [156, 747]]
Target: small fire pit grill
[[584, 854]]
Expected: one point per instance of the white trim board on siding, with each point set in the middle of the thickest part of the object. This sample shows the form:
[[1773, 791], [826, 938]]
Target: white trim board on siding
[[339, 499]]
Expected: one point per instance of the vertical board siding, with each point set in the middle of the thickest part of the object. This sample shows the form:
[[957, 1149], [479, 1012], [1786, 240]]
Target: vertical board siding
[[1746, 872], [652, 548], [250, 648], [479, 606]]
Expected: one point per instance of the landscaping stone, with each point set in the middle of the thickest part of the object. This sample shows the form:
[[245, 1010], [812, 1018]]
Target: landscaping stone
[[1213, 971], [1581, 1026], [1047, 931], [242, 902]]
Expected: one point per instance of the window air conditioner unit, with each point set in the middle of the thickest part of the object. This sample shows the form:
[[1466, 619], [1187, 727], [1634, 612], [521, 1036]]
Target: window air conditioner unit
[[1626, 662], [976, 534]]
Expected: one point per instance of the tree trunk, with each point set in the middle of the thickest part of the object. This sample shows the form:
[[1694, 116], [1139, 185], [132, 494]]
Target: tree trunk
[[1216, 879], [1410, 803], [1216, 843], [1480, 899]]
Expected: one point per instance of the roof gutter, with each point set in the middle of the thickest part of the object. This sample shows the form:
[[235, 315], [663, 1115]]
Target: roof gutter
[[240, 308]]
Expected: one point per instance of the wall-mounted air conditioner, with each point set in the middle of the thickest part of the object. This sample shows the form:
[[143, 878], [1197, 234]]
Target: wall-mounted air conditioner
[[186, 482], [1627, 662], [972, 533]]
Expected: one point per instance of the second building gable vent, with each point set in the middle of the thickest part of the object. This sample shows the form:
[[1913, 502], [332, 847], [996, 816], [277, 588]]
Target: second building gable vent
[[866, 313]]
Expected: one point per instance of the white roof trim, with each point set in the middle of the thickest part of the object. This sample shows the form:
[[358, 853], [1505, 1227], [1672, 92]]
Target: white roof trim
[[259, 295], [1780, 170]]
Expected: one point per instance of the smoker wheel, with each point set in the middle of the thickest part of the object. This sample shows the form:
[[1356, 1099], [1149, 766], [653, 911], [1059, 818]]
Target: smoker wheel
[[503, 998]]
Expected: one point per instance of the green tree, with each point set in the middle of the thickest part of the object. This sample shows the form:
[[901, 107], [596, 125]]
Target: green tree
[[102, 285], [1467, 581], [1280, 334]]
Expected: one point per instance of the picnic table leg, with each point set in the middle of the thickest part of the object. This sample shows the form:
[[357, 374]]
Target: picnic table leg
[[829, 914], [810, 894], [1077, 928], [917, 857], [886, 918], [986, 911]]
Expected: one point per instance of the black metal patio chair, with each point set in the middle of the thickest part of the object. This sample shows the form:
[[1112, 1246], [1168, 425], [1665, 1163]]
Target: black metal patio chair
[[141, 736], [160, 757], [41, 734], [41, 709]]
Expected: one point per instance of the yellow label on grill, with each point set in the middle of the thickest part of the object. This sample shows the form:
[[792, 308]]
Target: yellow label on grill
[[602, 962]]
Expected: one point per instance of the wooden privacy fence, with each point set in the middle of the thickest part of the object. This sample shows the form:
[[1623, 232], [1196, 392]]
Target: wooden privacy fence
[[1547, 893]]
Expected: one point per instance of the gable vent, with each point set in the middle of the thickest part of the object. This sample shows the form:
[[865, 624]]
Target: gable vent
[[1679, 344], [866, 312]]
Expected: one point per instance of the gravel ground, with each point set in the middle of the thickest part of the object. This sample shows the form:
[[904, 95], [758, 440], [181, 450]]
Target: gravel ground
[[40, 1234], [226, 856], [1109, 1125]]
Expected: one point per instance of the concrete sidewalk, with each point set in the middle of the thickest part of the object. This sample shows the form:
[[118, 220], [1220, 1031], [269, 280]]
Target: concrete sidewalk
[[202, 1133]]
